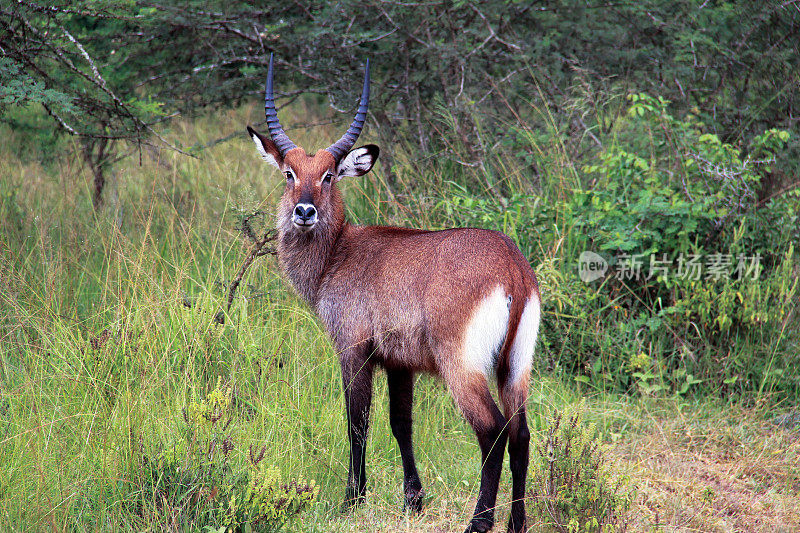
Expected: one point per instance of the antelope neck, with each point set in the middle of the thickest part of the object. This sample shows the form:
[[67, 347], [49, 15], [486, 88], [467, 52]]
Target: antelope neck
[[305, 257]]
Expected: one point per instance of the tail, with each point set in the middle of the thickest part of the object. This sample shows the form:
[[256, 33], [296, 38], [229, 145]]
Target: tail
[[514, 384]]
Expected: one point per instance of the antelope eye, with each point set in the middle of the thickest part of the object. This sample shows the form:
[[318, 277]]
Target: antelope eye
[[327, 178], [289, 175]]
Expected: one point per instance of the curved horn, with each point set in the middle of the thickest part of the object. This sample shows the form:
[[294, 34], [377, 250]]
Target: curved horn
[[343, 145], [281, 140]]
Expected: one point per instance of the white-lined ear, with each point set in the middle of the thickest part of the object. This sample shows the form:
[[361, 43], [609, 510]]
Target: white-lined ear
[[266, 156], [358, 162], [266, 148]]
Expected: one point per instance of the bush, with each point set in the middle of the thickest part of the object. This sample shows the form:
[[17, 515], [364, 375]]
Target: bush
[[575, 493], [696, 259], [194, 482], [701, 284]]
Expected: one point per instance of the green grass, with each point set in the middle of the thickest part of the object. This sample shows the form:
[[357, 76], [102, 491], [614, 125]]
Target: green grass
[[99, 355]]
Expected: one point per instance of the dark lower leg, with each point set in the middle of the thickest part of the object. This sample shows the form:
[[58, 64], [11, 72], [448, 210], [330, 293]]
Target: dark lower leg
[[401, 391], [357, 382], [491, 431], [518, 441], [492, 445]]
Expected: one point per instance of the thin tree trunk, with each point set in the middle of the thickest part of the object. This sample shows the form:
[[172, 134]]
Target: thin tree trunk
[[99, 183], [95, 153]]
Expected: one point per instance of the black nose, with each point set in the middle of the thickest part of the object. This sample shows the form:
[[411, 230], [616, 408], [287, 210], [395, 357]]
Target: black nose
[[305, 213]]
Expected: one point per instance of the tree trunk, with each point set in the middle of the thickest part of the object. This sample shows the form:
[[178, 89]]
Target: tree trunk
[[95, 152], [99, 183]]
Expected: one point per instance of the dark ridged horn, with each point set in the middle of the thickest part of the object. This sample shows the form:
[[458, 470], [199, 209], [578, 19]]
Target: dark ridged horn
[[281, 140], [343, 145]]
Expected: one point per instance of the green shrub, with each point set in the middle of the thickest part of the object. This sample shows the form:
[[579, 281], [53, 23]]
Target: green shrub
[[702, 281], [269, 501], [194, 481], [575, 493], [696, 260]]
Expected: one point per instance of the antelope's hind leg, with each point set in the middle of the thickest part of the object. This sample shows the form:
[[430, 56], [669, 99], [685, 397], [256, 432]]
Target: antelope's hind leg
[[401, 399], [472, 395], [513, 398], [513, 387]]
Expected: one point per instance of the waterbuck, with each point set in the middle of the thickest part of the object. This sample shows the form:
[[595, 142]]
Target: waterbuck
[[462, 304]]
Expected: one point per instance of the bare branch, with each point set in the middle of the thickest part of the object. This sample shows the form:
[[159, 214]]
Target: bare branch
[[86, 56], [60, 120], [259, 249]]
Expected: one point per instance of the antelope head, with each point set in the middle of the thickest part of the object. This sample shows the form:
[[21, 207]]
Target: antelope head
[[311, 198]]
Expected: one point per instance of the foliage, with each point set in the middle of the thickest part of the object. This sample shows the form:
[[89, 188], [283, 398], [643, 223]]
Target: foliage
[[21, 88], [691, 248], [113, 69], [269, 502], [575, 492], [696, 261], [194, 482]]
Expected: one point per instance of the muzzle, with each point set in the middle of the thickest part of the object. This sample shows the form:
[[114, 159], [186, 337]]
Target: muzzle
[[304, 216]]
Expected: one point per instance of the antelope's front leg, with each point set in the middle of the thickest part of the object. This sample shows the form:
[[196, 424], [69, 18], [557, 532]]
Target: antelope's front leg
[[357, 373], [401, 398]]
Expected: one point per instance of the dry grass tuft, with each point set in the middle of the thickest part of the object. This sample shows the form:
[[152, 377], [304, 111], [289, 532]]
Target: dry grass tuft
[[724, 471]]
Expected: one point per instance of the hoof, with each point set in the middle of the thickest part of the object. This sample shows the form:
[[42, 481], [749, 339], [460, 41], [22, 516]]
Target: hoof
[[516, 526], [351, 501], [413, 501], [479, 526]]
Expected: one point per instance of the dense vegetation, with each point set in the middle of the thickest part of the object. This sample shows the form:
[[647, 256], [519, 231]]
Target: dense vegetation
[[660, 136], [110, 70]]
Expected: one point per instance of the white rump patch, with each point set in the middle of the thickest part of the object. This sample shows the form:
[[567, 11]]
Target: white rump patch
[[266, 156], [486, 331], [525, 340], [356, 163]]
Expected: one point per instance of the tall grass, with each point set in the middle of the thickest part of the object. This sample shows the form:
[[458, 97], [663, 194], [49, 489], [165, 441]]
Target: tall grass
[[108, 334]]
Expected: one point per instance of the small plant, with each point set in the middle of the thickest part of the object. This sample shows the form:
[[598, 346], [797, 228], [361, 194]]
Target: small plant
[[268, 501], [194, 481], [575, 493]]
